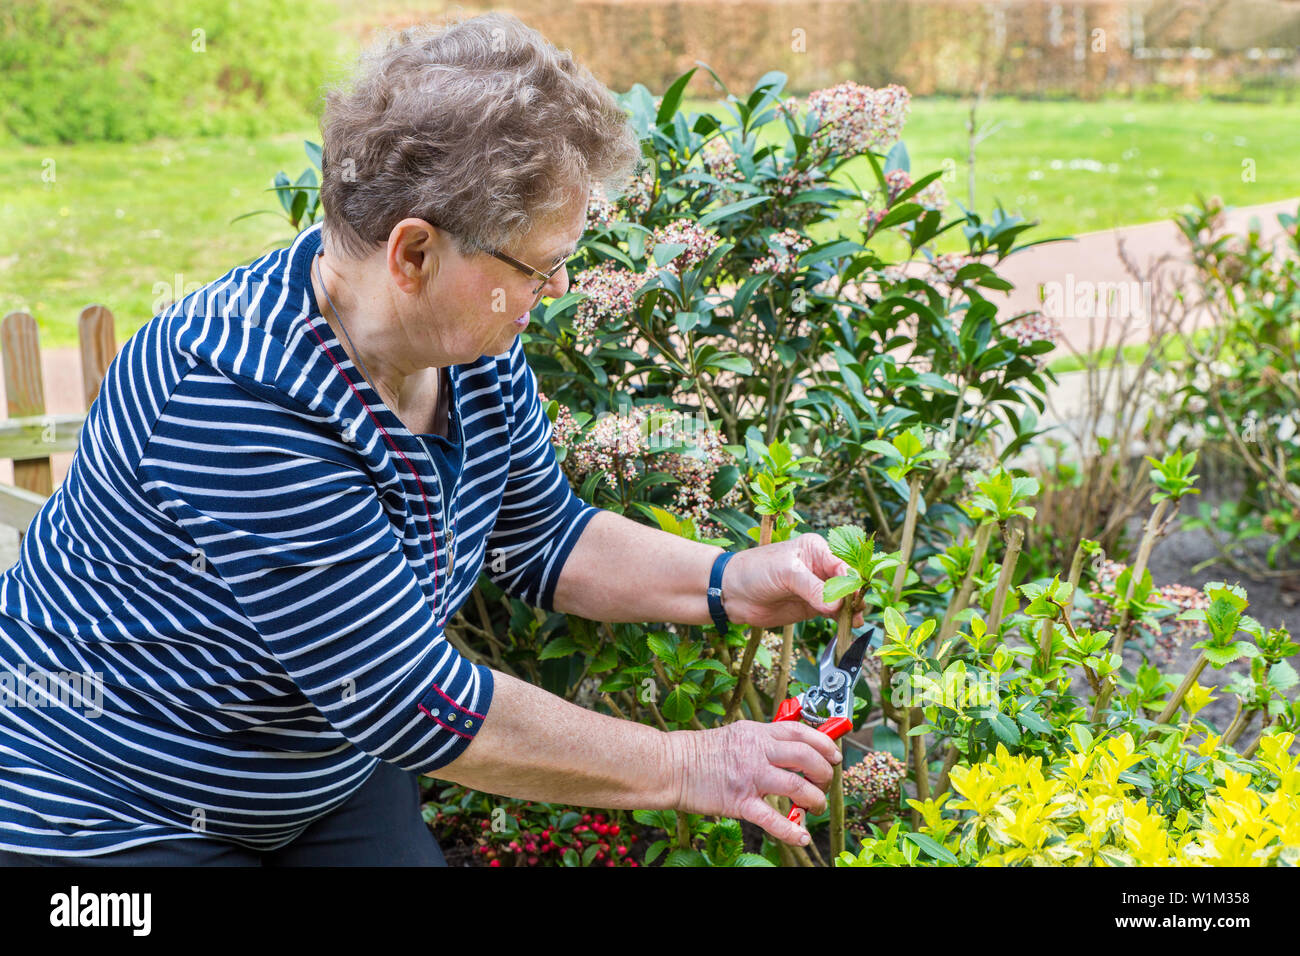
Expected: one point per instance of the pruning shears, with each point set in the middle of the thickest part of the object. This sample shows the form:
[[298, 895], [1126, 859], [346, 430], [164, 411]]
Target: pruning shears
[[829, 705]]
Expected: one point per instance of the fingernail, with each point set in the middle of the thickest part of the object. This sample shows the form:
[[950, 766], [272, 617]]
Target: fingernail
[[803, 840]]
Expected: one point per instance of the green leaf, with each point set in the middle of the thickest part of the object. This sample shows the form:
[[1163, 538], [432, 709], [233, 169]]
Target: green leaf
[[847, 543], [662, 648], [1033, 723], [1282, 676], [1005, 728], [673, 97], [1222, 656], [677, 706], [724, 843], [652, 852], [686, 321], [731, 361], [663, 819], [561, 646], [686, 858], [730, 209], [930, 848], [840, 586]]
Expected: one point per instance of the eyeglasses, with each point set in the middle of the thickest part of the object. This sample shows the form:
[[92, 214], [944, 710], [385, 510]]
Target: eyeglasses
[[530, 271], [527, 269]]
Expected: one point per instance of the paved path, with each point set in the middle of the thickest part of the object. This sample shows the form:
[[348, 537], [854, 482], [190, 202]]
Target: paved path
[[1067, 271]]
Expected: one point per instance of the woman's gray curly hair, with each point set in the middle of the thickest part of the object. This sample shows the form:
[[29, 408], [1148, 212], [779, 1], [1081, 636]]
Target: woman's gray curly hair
[[482, 127]]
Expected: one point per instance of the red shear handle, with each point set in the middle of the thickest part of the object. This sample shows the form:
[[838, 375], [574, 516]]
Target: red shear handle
[[835, 728]]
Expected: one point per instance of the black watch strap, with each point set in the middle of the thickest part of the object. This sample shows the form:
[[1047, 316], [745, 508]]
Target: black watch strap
[[715, 592]]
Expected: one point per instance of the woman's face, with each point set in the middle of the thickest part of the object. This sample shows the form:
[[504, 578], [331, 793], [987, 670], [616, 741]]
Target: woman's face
[[474, 305]]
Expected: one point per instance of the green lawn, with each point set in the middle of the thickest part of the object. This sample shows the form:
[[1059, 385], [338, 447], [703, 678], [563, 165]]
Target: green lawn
[[120, 219]]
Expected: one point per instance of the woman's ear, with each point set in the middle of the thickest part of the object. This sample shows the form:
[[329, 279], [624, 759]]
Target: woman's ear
[[416, 253]]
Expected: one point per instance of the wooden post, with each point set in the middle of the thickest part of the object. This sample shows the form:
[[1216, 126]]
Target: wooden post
[[25, 393], [95, 334]]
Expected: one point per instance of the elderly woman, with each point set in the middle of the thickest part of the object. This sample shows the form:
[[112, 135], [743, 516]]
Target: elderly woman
[[292, 479]]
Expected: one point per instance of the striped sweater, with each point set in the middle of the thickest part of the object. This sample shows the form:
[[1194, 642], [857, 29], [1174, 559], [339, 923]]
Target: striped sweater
[[233, 606]]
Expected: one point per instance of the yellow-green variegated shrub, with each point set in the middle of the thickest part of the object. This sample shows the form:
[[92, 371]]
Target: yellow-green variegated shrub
[[1014, 811]]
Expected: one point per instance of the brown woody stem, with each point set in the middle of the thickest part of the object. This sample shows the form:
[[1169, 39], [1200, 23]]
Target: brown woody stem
[[751, 648]]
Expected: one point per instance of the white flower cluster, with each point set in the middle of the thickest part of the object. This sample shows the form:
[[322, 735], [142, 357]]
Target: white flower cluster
[[639, 194], [856, 118], [565, 428], [617, 444], [898, 181], [609, 288], [786, 246], [720, 160], [699, 242], [1033, 327], [600, 211], [763, 677], [949, 264]]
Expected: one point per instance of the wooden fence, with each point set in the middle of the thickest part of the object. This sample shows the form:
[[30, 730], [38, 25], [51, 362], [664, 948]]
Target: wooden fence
[[28, 435]]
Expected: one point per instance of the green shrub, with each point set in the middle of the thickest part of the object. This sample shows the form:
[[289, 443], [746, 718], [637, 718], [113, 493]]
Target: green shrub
[[77, 70], [1238, 384]]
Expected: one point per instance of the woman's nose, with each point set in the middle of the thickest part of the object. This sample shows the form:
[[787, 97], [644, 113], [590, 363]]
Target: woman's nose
[[559, 283]]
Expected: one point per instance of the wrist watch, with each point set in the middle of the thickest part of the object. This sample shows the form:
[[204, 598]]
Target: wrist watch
[[716, 610]]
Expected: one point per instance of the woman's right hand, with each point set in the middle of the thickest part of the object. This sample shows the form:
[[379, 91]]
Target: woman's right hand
[[727, 771]]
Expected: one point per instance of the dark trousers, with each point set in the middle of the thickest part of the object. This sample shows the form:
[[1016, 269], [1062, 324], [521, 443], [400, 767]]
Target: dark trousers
[[379, 825]]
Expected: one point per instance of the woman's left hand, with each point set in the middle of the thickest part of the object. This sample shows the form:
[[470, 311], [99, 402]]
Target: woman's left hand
[[780, 583]]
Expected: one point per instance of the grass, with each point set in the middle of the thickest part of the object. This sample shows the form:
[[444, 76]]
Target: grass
[[121, 223], [121, 220]]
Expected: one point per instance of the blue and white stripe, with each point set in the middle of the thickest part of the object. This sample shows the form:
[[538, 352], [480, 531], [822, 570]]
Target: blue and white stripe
[[243, 554]]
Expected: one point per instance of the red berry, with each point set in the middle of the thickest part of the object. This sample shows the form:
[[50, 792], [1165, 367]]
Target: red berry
[[610, 863], [495, 863], [586, 818], [485, 825], [532, 861], [615, 829], [599, 857], [600, 818], [622, 851], [580, 829], [633, 863]]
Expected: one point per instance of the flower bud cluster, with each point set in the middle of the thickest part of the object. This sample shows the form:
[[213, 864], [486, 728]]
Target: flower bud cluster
[[858, 118], [699, 242], [788, 244], [609, 287], [636, 440]]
